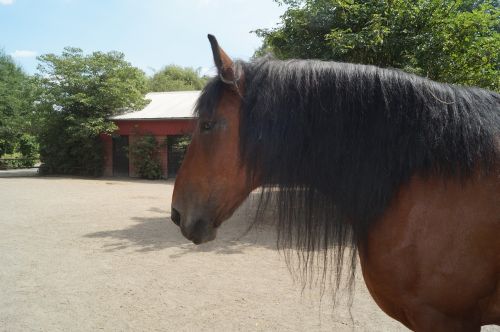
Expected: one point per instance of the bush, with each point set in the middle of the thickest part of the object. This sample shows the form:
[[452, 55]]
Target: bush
[[17, 160], [68, 147], [28, 146], [145, 155]]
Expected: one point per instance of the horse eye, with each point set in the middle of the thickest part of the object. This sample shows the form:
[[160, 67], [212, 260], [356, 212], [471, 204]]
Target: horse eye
[[207, 125]]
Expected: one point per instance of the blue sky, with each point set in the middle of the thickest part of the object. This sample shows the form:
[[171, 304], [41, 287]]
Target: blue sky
[[151, 33]]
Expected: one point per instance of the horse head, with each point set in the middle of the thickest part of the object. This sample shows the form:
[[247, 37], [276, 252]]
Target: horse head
[[212, 182]]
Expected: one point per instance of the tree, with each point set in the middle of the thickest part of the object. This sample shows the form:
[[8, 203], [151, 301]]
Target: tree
[[16, 98], [455, 41], [77, 95], [176, 78]]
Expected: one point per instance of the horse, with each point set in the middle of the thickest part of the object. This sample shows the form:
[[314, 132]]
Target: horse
[[401, 171]]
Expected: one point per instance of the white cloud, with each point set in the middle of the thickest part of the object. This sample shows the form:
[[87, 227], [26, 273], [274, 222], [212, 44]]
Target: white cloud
[[6, 2], [22, 53]]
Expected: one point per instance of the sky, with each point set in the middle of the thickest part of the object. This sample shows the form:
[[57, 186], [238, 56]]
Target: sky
[[151, 33]]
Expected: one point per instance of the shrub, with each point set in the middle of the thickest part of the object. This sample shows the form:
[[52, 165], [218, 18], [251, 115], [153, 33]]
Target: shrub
[[28, 146], [144, 152]]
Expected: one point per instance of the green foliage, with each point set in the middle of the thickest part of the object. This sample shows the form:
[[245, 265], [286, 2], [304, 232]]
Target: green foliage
[[144, 152], [8, 138], [16, 105], [182, 142], [77, 94], [25, 156], [454, 41], [13, 161], [18, 161], [28, 146], [178, 145], [176, 78]]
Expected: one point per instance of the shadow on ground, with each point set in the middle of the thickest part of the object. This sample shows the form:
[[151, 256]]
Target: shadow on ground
[[159, 233]]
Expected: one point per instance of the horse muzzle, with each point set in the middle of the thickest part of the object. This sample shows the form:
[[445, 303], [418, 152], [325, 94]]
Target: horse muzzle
[[198, 230]]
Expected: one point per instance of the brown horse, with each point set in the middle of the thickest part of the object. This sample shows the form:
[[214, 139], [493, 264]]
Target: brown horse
[[400, 169]]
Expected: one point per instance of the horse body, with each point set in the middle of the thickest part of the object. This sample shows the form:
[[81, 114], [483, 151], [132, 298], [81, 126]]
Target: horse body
[[404, 170], [433, 260]]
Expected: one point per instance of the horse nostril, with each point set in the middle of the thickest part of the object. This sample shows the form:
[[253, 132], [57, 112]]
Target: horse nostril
[[175, 216]]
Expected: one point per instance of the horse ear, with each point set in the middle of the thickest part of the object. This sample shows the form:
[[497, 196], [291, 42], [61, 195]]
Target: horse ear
[[228, 72]]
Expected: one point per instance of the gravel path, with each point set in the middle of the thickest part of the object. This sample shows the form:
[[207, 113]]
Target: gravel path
[[86, 255]]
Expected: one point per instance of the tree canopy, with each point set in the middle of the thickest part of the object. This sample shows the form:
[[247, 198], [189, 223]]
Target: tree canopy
[[176, 78], [454, 41], [78, 93], [16, 99]]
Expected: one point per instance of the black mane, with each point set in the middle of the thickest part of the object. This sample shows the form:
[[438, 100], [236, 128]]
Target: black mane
[[339, 140]]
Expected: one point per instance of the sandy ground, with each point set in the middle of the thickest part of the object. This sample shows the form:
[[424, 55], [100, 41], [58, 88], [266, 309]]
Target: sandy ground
[[86, 255]]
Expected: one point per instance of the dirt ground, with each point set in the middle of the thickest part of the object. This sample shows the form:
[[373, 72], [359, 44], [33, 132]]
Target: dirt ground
[[86, 255]]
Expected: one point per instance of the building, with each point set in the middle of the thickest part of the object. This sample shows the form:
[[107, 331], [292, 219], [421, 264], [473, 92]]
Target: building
[[168, 116]]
